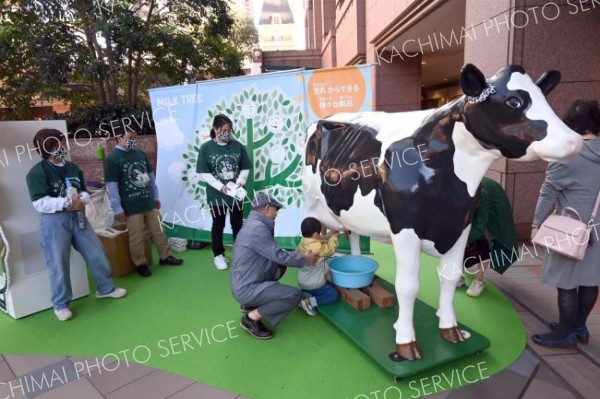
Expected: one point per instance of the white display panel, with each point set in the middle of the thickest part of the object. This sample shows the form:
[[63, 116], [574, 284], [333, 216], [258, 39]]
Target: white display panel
[[28, 287]]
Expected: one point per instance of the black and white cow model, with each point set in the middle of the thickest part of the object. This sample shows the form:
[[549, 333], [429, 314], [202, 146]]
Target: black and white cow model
[[412, 177]]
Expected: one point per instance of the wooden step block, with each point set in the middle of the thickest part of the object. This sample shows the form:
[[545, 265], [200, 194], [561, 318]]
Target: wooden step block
[[355, 298], [379, 282], [379, 295]]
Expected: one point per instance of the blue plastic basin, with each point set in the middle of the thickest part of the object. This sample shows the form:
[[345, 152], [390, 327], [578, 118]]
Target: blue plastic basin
[[352, 271]]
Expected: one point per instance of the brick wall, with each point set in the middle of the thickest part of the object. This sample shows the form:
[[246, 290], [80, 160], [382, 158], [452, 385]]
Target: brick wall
[[84, 153]]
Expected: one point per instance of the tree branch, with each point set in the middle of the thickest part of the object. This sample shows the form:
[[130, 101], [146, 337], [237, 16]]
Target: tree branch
[[138, 61]]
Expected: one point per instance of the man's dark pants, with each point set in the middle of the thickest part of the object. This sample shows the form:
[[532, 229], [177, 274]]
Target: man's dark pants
[[276, 301]]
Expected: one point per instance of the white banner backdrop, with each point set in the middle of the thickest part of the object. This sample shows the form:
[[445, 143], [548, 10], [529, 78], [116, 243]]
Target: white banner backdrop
[[270, 113]]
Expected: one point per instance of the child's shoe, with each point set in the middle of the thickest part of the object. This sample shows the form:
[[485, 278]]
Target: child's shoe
[[305, 304]]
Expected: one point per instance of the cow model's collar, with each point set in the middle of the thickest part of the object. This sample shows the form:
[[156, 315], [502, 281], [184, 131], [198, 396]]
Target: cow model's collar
[[490, 89]]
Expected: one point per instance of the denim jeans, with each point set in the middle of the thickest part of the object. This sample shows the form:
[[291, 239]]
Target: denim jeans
[[324, 295], [58, 231]]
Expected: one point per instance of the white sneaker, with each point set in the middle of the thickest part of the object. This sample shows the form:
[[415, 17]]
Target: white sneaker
[[476, 288], [307, 307], [63, 314], [116, 293], [221, 262]]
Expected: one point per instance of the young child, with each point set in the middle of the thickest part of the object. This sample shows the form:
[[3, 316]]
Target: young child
[[312, 278]]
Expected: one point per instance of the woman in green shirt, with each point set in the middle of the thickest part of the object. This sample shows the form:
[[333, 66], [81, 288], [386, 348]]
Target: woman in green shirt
[[224, 165], [57, 191]]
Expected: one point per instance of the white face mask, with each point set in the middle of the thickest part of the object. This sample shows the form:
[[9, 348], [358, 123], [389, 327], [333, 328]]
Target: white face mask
[[130, 144], [224, 136], [59, 154]]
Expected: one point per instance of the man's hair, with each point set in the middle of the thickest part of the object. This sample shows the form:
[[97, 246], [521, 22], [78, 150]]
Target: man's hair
[[120, 130], [46, 140], [310, 226], [583, 116]]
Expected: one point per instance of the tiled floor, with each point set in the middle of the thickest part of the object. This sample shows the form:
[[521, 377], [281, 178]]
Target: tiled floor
[[540, 373]]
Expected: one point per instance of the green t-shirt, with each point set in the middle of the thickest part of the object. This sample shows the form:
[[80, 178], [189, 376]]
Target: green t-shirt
[[46, 179], [131, 171], [224, 162]]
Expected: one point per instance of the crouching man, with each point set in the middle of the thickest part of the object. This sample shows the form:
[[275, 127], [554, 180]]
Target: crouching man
[[258, 264]]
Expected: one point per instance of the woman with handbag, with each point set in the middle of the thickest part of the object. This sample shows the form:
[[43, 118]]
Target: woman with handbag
[[573, 184]]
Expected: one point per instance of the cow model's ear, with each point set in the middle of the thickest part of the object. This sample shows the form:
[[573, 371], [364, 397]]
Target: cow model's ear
[[472, 80], [548, 81]]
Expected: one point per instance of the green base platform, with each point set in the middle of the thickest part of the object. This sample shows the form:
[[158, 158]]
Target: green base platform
[[372, 330]]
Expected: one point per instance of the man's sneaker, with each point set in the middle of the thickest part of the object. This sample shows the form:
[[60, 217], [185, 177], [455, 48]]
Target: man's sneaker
[[476, 288], [116, 293], [171, 260], [221, 262], [144, 271], [63, 314], [255, 327], [305, 304]]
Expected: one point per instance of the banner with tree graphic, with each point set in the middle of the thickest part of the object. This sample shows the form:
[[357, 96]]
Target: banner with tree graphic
[[270, 113]]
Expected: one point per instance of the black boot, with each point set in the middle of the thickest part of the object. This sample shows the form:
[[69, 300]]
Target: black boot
[[144, 271], [255, 327]]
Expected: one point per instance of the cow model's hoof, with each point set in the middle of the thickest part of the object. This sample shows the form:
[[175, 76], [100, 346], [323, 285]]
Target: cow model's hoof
[[406, 352], [452, 335]]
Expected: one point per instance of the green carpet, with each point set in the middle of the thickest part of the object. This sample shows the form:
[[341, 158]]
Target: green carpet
[[168, 316]]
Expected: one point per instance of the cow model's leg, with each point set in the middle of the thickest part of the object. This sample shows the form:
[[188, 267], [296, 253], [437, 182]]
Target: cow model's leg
[[449, 272], [407, 248]]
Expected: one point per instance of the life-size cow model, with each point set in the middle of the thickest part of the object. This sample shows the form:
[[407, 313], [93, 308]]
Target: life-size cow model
[[412, 177]]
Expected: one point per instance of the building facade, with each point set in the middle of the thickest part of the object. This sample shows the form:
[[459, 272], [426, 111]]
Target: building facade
[[419, 46]]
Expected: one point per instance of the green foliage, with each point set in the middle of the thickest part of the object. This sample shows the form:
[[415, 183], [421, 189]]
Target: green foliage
[[244, 36], [97, 119], [110, 51]]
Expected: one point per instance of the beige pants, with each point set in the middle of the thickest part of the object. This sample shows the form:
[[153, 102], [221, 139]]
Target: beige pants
[[136, 225]]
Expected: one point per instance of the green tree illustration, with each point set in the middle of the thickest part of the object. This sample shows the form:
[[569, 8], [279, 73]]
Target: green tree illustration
[[270, 126]]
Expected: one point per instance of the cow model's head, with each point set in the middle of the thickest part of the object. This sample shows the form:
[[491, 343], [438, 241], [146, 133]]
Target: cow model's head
[[509, 112]]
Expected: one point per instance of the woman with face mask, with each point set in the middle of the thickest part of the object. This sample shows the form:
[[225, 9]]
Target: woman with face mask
[[57, 190], [223, 161]]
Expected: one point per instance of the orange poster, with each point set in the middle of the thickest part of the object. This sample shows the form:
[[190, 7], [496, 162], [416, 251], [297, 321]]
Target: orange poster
[[332, 91]]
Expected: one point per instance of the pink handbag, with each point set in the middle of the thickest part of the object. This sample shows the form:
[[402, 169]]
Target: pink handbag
[[567, 236]]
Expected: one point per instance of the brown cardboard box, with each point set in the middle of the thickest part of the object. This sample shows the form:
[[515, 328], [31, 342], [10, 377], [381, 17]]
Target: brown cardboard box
[[117, 251]]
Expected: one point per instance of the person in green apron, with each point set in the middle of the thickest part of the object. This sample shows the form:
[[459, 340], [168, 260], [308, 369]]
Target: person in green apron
[[224, 165], [134, 199], [58, 192], [493, 222]]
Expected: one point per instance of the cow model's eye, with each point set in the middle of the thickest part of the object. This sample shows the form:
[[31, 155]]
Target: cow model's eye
[[514, 102]]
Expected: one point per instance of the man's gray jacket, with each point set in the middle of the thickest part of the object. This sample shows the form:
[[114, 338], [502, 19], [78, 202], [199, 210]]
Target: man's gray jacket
[[256, 257]]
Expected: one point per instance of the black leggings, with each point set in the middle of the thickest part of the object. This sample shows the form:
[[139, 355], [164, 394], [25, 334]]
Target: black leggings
[[219, 213], [574, 307]]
